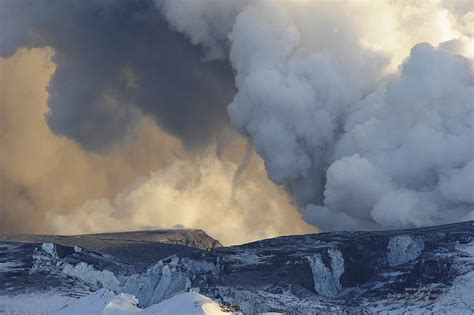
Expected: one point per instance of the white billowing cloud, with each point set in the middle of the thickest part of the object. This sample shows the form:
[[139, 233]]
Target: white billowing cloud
[[404, 208], [206, 22], [463, 13], [388, 26], [355, 185], [350, 105], [291, 94], [461, 46], [420, 135], [458, 184], [327, 219], [194, 194]]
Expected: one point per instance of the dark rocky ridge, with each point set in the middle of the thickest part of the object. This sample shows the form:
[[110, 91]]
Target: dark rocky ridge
[[137, 247], [342, 272], [364, 254]]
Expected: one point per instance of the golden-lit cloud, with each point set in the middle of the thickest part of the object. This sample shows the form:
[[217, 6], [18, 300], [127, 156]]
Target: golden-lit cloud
[[301, 70], [194, 194], [41, 171], [391, 27], [49, 184]]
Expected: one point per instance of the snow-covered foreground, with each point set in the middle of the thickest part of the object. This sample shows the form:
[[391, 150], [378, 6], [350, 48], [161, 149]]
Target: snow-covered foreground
[[34, 303], [427, 270], [107, 302], [188, 303]]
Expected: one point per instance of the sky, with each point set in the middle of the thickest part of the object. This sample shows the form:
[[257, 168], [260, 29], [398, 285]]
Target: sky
[[247, 119]]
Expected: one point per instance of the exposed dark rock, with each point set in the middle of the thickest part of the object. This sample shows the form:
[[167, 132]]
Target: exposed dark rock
[[140, 248], [339, 272]]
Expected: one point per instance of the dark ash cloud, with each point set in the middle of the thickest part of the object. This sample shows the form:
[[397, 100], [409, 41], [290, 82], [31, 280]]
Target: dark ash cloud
[[117, 60]]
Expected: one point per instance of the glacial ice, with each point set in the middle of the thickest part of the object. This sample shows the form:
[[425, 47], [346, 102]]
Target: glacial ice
[[349, 271], [49, 248], [326, 278], [403, 248], [87, 273], [160, 281]]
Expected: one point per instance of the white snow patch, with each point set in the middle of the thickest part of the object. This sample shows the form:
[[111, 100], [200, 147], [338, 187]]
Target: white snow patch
[[103, 302], [246, 259], [9, 265], [186, 303], [326, 280], [106, 302], [467, 248], [45, 258], [34, 303], [7, 247], [463, 290], [49, 248], [159, 282], [459, 299], [403, 248], [89, 274]]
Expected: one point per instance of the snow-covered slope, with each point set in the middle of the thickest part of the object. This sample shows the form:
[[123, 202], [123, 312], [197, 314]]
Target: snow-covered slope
[[103, 302], [106, 302], [187, 303], [420, 270]]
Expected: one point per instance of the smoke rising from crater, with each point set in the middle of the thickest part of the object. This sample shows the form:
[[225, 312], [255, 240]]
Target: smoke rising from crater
[[40, 171], [358, 142], [49, 184], [116, 61], [361, 110], [192, 193]]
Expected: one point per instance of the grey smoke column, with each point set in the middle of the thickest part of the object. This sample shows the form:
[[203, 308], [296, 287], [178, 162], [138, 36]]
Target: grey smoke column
[[355, 147], [117, 60], [408, 149]]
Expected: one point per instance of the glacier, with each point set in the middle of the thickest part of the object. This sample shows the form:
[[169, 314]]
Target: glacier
[[422, 270]]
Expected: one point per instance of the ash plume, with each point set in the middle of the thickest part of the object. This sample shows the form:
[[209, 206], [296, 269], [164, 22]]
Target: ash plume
[[356, 140], [362, 111], [49, 184], [237, 177], [116, 61]]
